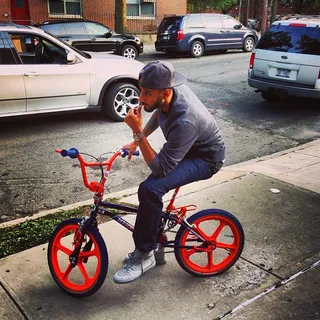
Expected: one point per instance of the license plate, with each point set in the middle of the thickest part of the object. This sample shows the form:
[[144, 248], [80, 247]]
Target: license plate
[[165, 37], [285, 73]]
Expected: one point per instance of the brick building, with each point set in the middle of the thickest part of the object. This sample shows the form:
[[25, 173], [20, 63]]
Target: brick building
[[142, 15]]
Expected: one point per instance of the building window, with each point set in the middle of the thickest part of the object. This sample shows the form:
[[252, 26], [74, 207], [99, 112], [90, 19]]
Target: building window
[[140, 8], [65, 7]]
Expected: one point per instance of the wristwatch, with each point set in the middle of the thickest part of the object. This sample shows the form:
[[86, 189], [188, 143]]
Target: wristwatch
[[138, 136]]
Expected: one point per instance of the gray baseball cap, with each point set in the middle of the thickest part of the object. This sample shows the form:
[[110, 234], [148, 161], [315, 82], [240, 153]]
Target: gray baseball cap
[[160, 75]]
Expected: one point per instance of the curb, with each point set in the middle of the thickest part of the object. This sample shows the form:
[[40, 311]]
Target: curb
[[132, 191]]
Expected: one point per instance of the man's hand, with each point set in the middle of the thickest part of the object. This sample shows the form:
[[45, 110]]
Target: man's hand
[[134, 119], [131, 147]]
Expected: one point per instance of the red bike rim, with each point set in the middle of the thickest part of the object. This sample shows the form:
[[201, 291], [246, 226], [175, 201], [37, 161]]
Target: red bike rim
[[64, 274], [232, 248]]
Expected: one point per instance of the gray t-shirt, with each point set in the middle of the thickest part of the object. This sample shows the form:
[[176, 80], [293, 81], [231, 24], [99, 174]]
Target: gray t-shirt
[[190, 131]]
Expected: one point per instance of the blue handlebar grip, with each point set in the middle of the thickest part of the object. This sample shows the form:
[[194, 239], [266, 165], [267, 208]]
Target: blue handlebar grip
[[125, 152], [72, 153]]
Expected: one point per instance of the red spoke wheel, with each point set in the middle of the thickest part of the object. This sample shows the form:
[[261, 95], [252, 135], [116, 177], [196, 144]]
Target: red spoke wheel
[[225, 235], [87, 276]]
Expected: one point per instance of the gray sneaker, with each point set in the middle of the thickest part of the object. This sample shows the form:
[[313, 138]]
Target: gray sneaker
[[138, 264], [158, 254]]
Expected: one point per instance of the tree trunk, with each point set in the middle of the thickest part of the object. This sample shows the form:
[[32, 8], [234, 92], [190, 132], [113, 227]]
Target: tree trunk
[[121, 16], [274, 10], [245, 16], [264, 16]]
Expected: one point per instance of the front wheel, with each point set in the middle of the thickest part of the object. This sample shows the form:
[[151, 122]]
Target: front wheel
[[119, 99], [224, 243], [90, 271], [129, 51], [197, 49]]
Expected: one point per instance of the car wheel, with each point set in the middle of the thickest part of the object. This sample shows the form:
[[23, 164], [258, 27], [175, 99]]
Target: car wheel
[[248, 45], [270, 97], [118, 100], [129, 52], [196, 49]]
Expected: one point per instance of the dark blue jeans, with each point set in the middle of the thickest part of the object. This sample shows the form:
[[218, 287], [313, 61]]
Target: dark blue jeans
[[153, 189]]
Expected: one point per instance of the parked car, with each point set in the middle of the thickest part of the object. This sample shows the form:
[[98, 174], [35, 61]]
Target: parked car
[[286, 61], [88, 35], [41, 74], [205, 32]]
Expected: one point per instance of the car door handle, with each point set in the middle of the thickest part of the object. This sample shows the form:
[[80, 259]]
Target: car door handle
[[31, 74], [221, 31]]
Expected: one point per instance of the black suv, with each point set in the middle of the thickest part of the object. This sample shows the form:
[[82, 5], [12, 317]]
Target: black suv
[[204, 32], [88, 35]]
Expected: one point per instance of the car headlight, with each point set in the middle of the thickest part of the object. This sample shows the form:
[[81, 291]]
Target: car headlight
[[137, 40]]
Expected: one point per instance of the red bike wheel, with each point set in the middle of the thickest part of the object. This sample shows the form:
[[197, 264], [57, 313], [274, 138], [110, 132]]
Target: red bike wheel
[[225, 235], [87, 276]]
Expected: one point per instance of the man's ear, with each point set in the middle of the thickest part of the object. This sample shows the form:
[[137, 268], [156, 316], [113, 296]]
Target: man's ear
[[167, 93]]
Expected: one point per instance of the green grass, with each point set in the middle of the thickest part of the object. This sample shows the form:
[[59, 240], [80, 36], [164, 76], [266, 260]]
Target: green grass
[[34, 232]]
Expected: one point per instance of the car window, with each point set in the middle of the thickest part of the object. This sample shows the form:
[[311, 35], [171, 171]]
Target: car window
[[34, 49], [74, 28], [213, 21], [55, 29], [170, 23], [95, 28], [229, 22], [7, 50], [297, 39], [195, 21]]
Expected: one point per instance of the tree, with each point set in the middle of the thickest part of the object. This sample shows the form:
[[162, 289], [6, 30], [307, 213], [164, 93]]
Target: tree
[[121, 16], [300, 6], [202, 5]]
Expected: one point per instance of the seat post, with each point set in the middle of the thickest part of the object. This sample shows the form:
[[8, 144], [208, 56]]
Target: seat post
[[170, 205]]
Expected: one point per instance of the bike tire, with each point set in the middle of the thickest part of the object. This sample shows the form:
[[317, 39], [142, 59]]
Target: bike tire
[[205, 261], [88, 275]]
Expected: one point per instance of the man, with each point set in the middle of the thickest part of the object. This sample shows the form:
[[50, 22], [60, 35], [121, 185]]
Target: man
[[194, 151]]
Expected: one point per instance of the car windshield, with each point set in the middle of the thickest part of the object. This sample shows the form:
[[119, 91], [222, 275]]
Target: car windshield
[[297, 39], [170, 23], [84, 54]]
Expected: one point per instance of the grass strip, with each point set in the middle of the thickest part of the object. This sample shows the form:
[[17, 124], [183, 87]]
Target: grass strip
[[34, 232]]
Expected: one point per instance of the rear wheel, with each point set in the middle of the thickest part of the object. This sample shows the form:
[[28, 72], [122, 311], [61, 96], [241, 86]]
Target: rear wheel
[[249, 44], [196, 49], [270, 97], [119, 99], [225, 238], [90, 271], [129, 51]]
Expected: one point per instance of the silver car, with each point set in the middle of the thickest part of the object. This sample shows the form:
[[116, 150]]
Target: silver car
[[286, 61]]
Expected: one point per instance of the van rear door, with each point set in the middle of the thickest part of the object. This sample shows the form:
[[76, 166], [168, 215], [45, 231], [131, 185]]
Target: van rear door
[[289, 53], [168, 30]]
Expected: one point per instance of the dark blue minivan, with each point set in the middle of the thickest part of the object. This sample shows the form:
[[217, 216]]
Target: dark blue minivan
[[197, 33]]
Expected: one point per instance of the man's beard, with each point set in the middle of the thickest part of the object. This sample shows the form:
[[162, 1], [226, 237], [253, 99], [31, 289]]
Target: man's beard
[[157, 105]]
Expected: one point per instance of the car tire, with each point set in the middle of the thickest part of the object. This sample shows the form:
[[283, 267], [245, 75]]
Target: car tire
[[197, 49], [118, 100], [129, 51], [248, 45], [270, 97]]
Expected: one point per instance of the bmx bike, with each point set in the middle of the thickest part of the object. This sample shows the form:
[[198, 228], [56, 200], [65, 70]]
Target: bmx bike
[[206, 243]]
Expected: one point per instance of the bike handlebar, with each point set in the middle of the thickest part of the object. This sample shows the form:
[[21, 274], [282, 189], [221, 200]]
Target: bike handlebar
[[94, 186]]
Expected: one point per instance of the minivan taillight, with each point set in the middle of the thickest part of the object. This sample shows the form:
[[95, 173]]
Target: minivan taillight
[[251, 63], [180, 35]]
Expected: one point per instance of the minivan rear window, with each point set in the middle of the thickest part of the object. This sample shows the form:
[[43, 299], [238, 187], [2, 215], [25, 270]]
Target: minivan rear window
[[297, 39], [170, 23]]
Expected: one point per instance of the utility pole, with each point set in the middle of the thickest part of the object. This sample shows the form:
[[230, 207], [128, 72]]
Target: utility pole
[[274, 10], [121, 16], [264, 16]]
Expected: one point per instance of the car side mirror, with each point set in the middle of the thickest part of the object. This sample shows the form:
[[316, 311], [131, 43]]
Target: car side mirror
[[71, 58], [108, 34], [237, 26]]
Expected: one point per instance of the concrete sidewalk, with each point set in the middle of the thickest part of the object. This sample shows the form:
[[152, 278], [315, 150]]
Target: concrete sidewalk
[[277, 276]]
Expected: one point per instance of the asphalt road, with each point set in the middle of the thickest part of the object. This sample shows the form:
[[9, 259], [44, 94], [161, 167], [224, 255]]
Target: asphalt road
[[34, 178]]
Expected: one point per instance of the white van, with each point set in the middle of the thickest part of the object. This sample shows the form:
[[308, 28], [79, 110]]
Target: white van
[[286, 61]]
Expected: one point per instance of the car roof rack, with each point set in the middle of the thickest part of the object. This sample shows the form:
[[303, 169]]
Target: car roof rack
[[302, 16], [65, 21]]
